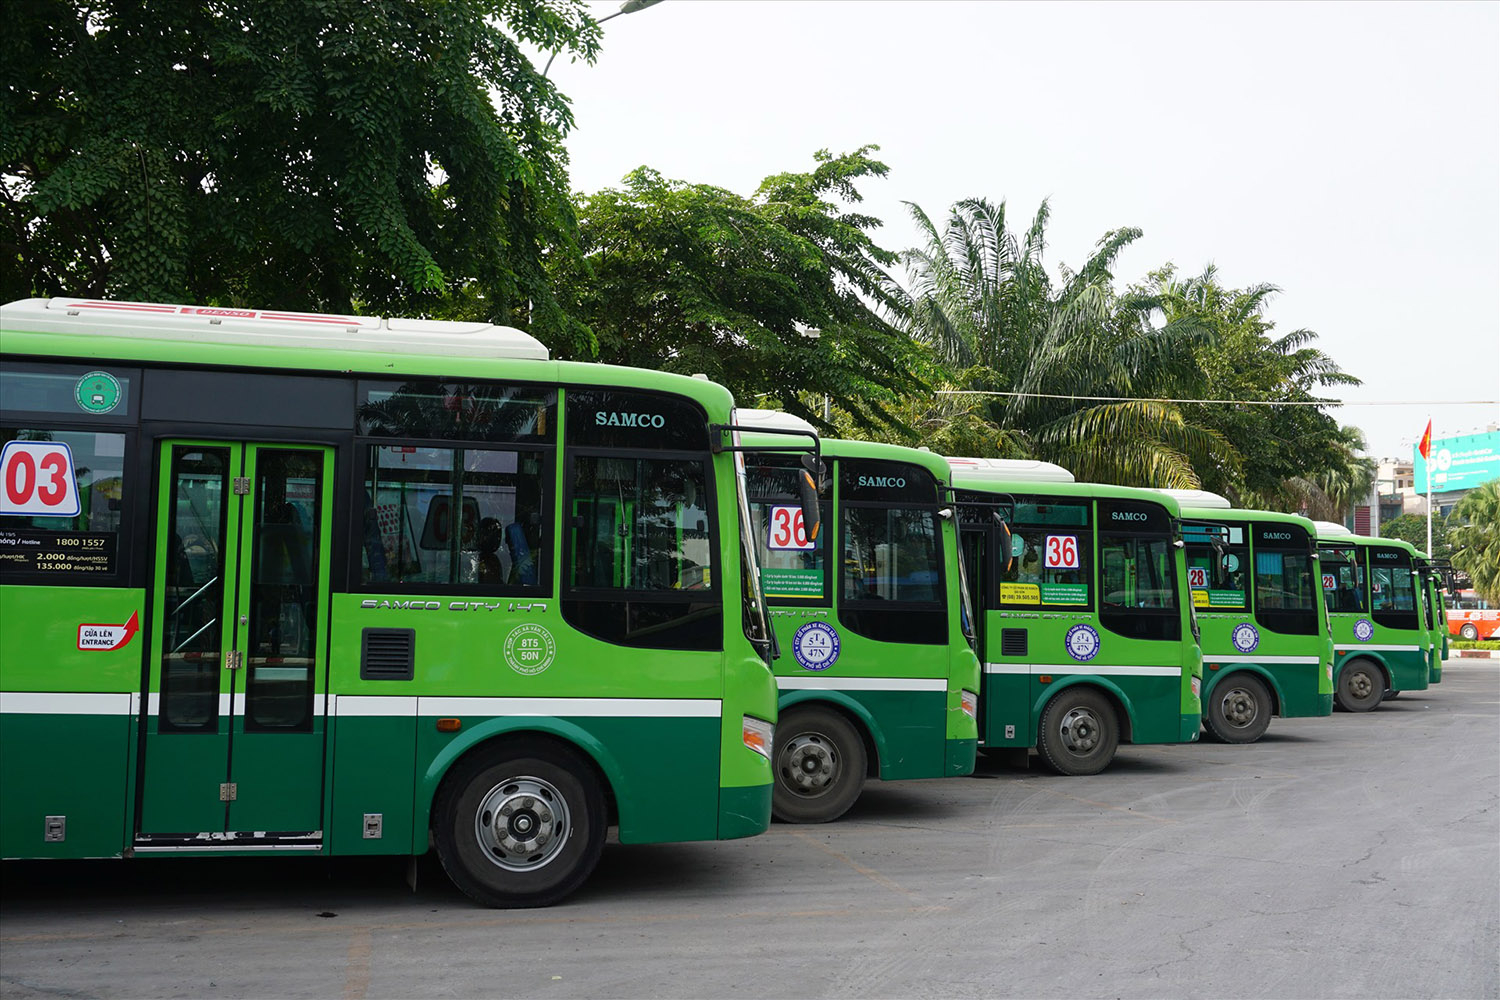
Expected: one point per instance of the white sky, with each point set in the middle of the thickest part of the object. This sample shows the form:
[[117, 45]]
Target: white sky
[[1348, 153]]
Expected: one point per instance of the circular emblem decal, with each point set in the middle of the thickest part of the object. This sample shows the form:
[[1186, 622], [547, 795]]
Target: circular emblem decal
[[529, 649], [816, 646], [1245, 637], [97, 392], [1082, 642], [1363, 630]]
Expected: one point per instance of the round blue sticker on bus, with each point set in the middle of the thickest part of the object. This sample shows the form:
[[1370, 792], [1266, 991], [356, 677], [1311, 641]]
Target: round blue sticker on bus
[[1082, 642], [1363, 630], [816, 646], [1245, 637]]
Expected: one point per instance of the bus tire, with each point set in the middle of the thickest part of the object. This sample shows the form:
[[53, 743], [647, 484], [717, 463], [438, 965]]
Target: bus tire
[[520, 826], [1079, 732], [1469, 631], [1360, 688], [819, 765], [1239, 709]]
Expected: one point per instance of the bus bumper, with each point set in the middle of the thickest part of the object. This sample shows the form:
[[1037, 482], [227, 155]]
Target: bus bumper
[[744, 811], [1188, 727], [960, 757]]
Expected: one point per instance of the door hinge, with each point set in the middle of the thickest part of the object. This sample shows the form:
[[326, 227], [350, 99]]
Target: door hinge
[[234, 659], [228, 791], [241, 486]]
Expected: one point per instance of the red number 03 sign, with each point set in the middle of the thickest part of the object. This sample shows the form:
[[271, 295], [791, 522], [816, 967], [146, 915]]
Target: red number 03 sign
[[36, 477], [1061, 552], [785, 531]]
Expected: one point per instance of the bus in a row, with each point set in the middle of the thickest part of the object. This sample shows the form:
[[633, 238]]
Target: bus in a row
[[281, 583], [1374, 590]]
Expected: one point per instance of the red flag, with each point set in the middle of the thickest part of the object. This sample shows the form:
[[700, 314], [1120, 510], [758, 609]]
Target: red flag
[[1425, 448]]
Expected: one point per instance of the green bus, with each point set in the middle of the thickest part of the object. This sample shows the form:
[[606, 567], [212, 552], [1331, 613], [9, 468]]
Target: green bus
[[1267, 650], [1430, 583], [877, 676], [1085, 629], [1381, 646], [277, 582]]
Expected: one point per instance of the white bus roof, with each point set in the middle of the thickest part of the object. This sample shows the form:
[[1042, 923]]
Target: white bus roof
[[1026, 470], [1202, 499], [774, 419], [1332, 529], [270, 328]]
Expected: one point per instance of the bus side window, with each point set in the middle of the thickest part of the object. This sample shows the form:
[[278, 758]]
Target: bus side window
[[63, 484]]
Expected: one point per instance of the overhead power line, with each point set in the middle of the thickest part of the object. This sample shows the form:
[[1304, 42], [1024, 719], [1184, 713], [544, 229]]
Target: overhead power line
[[1224, 402]]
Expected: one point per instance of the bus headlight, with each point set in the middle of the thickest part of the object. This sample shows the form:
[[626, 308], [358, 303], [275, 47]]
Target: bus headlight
[[757, 734], [969, 702]]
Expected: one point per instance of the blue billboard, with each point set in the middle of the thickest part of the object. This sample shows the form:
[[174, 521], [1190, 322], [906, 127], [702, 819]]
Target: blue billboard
[[1459, 463]]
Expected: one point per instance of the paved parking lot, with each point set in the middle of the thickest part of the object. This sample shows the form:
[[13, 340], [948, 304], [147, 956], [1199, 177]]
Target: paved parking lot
[[1355, 856]]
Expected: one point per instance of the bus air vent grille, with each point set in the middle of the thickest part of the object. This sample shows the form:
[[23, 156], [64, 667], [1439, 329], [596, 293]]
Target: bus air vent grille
[[1013, 642], [387, 654]]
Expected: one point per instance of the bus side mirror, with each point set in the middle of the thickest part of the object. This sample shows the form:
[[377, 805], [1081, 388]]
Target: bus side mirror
[[1010, 556], [807, 488]]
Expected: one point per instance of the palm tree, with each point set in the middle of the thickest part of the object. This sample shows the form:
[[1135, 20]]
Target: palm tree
[[983, 301], [1476, 542]]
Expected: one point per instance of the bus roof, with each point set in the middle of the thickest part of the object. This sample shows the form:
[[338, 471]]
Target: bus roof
[[1007, 469], [88, 330], [832, 447], [1332, 529], [980, 482], [1244, 514], [1202, 499], [269, 327]]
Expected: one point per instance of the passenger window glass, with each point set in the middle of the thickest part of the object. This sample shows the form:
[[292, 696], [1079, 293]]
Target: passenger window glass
[[471, 517], [1391, 589], [1283, 582], [1217, 558], [1136, 572], [1051, 549], [891, 554], [469, 411], [791, 566], [641, 524], [1343, 578]]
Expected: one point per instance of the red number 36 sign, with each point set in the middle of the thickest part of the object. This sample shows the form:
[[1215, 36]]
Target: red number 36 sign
[[1062, 552], [36, 477]]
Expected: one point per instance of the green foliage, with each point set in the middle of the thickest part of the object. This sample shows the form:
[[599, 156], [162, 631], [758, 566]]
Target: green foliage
[[320, 154], [984, 301], [1474, 643], [1476, 539], [781, 296], [1412, 528]]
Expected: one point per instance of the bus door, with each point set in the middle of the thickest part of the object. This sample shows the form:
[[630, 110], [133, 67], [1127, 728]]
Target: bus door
[[235, 695]]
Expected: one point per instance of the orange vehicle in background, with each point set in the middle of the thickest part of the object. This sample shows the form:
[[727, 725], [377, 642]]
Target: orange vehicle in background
[[1470, 618]]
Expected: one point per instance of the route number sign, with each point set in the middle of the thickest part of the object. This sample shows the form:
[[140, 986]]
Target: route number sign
[[36, 477], [1061, 552], [785, 531]]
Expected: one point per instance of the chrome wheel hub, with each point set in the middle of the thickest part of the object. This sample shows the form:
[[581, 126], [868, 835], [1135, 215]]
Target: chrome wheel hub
[[1080, 731], [809, 763], [1239, 708], [522, 824], [1360, 684]]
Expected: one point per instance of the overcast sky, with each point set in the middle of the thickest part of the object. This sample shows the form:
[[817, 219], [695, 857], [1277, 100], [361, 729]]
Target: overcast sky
[[1347, 153]]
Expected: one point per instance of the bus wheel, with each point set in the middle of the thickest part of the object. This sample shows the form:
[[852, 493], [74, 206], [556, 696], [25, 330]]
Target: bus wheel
[[1239, 710], [519, 826], [1360, 688], [820, 765], [1079, 732], [1468, 631]]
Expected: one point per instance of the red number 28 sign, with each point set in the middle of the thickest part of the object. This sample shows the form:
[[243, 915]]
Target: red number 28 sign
[[36, 477], [1061, 552]]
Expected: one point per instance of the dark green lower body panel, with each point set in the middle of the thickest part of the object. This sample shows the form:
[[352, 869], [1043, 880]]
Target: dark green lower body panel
[[744, 812], [1188, 728], [1408, 671], [961, 756], [1311, 707], [72, 766]]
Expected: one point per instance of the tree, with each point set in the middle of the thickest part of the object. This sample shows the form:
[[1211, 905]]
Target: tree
[[984, 301], [325, 155], [1476, 540], [1412, 528], [780, 296]]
